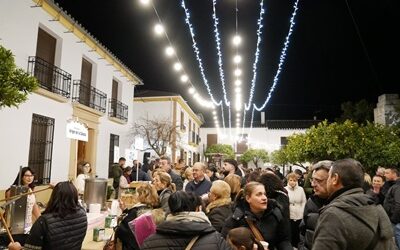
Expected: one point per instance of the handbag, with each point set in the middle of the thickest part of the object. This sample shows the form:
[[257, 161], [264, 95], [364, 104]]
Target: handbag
[[111, 243], [191, 243]]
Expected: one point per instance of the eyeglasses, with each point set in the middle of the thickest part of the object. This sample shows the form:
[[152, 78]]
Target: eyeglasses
[[317, 181]]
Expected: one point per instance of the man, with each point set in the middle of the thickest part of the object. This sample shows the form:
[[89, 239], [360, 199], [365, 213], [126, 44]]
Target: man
[[117, 170], [137, 173], [179, 166], [166, 165], [351, 220], [391, 175], [314, 203], [231, 167], [199, 185], [392, 203]]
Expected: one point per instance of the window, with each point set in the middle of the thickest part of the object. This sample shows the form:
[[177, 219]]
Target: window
[[183, 121], [212, 139], [114, 143], [284, 141], [41, 147]]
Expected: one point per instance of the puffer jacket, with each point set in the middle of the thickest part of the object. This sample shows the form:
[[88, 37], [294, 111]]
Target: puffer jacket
[[51, 232], [273, 226], [350, 221], [218, 211], [176, 235]]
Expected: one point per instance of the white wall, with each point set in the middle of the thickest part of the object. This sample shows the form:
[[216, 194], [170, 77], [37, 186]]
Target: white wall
[[19, 24], [262, 138]]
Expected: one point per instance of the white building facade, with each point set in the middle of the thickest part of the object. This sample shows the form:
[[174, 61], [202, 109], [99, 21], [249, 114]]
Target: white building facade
[[80, 80], [159, 105]]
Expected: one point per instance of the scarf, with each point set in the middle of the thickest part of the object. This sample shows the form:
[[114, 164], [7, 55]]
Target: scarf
[[218, 203], [189, 216]]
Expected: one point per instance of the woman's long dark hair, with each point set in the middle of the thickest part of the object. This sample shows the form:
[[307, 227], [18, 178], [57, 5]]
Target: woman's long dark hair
[[63, 200], [23, 171], [183, 202]]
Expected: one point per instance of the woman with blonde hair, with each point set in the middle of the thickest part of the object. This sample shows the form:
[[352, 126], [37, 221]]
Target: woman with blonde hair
[[147, 199], [234, 181], [188, 176], [163, 183], [219, 208]]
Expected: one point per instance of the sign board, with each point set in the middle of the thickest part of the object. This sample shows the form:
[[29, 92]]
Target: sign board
[[77, 130]]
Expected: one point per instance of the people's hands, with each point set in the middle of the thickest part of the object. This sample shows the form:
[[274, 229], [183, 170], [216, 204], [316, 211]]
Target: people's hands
[[14, 246]]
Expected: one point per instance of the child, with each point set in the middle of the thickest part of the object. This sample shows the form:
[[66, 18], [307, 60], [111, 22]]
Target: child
[[241, 238]]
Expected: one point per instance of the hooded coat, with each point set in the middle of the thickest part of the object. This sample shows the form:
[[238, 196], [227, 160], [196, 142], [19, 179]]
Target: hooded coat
[[178, 230], [350, 221]]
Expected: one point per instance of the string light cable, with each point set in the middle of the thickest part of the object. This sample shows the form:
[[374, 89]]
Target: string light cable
[[197, 53], [256, 54], [281, 59], [218, 42]]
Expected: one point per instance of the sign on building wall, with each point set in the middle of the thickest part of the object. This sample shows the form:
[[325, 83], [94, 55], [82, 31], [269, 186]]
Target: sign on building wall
[[77, 130]]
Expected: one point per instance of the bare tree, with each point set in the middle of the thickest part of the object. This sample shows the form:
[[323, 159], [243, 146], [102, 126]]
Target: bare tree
[[158, 133]]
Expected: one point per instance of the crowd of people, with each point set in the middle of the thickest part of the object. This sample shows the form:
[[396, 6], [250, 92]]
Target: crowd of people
[[333, 205]]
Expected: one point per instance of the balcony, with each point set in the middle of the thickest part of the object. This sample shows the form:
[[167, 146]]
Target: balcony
[[50, 77], [117, 109], [89, 96]]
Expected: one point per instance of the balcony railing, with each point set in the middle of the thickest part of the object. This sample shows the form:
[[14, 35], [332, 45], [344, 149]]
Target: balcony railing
[[49, 76], [89, 96], [118, 110]]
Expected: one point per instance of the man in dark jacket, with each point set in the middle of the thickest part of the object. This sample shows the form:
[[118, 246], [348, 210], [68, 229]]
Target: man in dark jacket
[[117, 170], [137, 173], [392, 205], [166, 165], [199, 185], [184, 224], [351, 220], [314, 203]]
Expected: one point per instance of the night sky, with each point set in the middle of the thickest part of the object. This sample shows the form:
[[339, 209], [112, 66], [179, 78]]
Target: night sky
[[330, 59]]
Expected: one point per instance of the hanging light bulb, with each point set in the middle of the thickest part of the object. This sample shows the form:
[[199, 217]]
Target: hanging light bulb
[[177, 66], [237, 59], [169, 51], [191, 90], [238, 82], [236, 40], [237, 72], [158, 29], [184, 78], [145, 2]]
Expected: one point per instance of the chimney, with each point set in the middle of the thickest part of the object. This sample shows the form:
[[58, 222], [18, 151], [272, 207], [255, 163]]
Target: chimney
[[263, 117]]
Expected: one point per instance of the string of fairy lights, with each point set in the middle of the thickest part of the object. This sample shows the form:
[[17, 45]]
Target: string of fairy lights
[[240, 106]]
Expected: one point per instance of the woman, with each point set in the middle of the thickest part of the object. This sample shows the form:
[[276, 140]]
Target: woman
[[185, 224], [297, 200], [32, 209], [211, 173], [253, 209], [275, 190], [147, 199], [125, 180], [219, 208], [163, 183], [234, 181], [188, 176], [375, 191], [84, 171], [63, 224]]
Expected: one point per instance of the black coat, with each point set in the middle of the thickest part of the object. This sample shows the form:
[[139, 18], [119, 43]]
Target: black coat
[[274, 227], [218, 216], [176, 235], [309, 222], [391, 202], [123, 231]]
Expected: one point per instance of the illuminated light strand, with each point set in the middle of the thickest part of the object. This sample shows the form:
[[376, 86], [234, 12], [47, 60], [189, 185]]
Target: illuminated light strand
[[244, 119], [194, 93], [218, 42], [223, 118], [281, 59], [257, 54], [251, 122], [197, 52]]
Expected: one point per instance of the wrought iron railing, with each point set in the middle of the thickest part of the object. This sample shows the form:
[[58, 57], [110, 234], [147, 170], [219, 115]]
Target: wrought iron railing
[[89, 96], [50, 77], [118, 109]]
